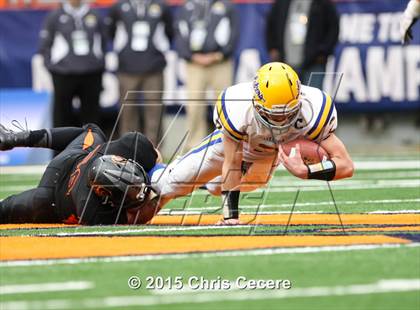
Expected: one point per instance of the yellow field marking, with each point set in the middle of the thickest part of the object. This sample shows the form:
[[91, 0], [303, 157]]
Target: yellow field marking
[[379, 229], [13, 248]]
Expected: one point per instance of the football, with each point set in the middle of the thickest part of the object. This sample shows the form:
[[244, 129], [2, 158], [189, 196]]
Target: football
[[311, 152]]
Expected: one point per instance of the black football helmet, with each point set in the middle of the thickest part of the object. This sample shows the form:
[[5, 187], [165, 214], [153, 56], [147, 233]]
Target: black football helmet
[[123, 181]]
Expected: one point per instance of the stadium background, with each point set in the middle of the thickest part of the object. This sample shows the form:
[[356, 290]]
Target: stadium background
[[381, 77]]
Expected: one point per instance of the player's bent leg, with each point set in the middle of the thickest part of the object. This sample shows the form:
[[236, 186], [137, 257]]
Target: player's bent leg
[[56, 139], [191, 171], [183, 177], [32, 206]]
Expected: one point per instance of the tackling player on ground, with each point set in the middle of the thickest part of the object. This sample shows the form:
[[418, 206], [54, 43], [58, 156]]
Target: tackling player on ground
[[90, 182], [253, 120]]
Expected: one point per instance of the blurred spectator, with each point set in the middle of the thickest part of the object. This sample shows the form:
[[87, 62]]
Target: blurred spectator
[[206, 33], [73, 45], [141, 30], [303, 33]]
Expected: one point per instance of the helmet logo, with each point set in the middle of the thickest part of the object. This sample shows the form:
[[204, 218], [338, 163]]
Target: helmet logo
[[257, 90], [118, 159]]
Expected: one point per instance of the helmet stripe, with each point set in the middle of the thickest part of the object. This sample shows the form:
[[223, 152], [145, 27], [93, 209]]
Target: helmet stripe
[[224, 118], [323, 117]]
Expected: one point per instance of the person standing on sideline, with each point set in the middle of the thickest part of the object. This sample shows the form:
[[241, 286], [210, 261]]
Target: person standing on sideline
[[303, 33], [142, 31], [206, 33], [73, 46]]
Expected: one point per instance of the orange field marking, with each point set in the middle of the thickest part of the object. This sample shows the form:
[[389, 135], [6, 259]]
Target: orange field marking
[[13, 248]]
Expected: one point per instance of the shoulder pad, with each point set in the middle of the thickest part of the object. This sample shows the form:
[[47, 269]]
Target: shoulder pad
[[225, 118], [321, 116]]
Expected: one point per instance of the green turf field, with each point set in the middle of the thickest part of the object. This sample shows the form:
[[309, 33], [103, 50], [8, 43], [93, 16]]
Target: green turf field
[[381, 276]]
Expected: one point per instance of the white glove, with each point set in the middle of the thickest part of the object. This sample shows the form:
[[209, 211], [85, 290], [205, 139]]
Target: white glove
[[229, 222], [408, 19]]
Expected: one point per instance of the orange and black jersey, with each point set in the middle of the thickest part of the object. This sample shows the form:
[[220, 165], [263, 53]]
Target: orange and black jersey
[[63, 193], [74, 198]]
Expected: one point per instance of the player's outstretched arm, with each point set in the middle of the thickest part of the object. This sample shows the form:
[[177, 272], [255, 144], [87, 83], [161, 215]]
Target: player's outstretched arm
[[337, 152], [231, 170], [231, 178]]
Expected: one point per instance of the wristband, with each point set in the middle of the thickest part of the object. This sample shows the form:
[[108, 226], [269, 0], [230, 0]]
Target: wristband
[[324, 170], [230, 204]]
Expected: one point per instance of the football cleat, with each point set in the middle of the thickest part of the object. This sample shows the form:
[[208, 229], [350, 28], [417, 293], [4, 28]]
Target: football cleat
[[10, 139], [276, 95]]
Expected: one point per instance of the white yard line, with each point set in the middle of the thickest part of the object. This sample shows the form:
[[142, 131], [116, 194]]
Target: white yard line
[[258, 252], [235, 286], [379, 287], [279, 182], [38, 169], [15, 188], [394, 211], [130, 231], [211, 211], [388, 175], [294, 212], [387, 164], [45, 287]]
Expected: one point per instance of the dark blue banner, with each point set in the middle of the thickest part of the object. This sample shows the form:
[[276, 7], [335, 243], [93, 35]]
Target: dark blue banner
[[373, 70]]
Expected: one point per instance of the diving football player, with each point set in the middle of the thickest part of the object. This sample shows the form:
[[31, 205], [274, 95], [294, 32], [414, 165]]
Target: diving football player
[[252, 121]]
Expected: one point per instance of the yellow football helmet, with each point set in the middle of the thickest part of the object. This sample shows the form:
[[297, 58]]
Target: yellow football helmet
[[276, 99]]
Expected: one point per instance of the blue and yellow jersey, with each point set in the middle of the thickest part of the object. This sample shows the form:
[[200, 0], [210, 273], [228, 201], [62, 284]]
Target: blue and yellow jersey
[[234, 116], [232, 109], [322, 120]]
